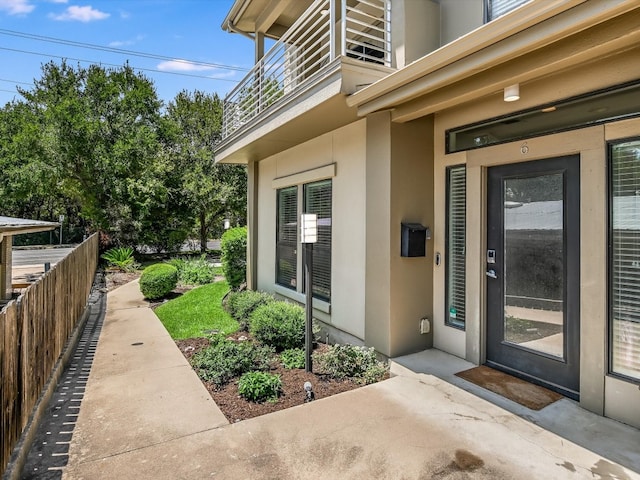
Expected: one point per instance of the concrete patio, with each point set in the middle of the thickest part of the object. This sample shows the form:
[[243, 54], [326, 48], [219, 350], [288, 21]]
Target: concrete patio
[[145, 415]]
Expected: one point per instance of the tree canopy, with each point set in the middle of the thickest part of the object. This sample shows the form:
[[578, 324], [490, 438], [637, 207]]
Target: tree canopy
[[98, 146]]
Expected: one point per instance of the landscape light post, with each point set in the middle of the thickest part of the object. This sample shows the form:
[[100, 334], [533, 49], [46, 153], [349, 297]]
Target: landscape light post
[[308, 236]]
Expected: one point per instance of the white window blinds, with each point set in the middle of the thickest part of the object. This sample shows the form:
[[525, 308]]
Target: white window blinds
[[287, 237], [317, 199], [497, 8], [625, 259], [455, 248]]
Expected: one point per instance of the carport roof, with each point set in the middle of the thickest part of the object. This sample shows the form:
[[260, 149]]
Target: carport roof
[[16, 226]]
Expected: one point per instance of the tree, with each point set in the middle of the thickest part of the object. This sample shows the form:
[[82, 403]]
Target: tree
[[214, 191], [99, 135]]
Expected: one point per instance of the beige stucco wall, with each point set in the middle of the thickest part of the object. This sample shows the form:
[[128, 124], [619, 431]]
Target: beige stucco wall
[[399, 189], [345, 149], [459, 17], [600, 393], [416, 30]]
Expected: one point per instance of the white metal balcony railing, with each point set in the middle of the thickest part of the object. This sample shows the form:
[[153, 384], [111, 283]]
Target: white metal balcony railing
[[329, 28]]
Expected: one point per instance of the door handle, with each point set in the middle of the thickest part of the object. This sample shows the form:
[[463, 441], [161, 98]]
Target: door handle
[[491, 273]]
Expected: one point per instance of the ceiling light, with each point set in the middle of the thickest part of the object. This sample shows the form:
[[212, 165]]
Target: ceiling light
[[512, 93]]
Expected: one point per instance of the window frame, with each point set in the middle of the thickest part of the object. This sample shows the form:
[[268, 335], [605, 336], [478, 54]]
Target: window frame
[[296, 247], [610, 262], [447, 273], [305, 209], [299, 181]]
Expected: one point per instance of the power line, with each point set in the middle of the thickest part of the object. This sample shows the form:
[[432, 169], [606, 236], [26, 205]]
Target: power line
[[92, 46], [15, 81], [8, 91], [116, 65]]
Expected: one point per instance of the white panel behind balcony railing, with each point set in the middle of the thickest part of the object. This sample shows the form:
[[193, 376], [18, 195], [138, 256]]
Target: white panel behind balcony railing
[[359, 29]]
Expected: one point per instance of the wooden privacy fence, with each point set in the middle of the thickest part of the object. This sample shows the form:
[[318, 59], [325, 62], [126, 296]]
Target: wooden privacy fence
[[33, 332]]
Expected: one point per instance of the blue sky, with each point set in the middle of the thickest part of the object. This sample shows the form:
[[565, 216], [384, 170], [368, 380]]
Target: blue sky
[[177, 29]]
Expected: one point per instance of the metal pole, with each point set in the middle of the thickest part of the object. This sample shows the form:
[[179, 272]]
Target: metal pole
[[308, 286]]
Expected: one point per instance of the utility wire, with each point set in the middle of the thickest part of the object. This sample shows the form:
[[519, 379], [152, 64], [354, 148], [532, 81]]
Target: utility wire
[[116, 65], [92, 46], [15, 81]]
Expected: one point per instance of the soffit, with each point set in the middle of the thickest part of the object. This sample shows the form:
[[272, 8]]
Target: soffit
[[271, 17]]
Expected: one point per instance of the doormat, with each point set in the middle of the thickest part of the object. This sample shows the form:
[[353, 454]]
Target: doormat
[[520, 391]]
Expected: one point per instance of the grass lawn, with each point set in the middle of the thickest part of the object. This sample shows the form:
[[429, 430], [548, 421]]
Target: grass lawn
[[197, 312]]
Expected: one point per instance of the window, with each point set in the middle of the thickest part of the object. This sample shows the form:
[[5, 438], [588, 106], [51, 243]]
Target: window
[[624, 257], [287, 237], [497, 8], [316, 198], [455, 231]]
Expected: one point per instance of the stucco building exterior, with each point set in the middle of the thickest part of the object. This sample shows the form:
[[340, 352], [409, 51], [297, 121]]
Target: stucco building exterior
[[509, 128]]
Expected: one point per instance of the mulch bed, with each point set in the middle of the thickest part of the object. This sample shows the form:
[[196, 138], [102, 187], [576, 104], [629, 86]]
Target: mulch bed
[[236, 408]]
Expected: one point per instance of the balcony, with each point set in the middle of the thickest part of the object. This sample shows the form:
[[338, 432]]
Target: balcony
[[329, 34]]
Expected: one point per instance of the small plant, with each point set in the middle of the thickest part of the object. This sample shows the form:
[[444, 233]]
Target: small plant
[[196, 271], [260, 386], [241, 305], [226, 359], [293, 358], [279, 324], [120, 258], [234, 256], [349, 361], [157, 280]]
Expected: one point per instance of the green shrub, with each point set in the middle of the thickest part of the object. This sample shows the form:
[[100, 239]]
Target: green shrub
[[225, 359], [120, 258], [260, 386], [157, 280], [293, 358], [234, 256], [279, 324], [194, 271], [348, 361], [241, 305]]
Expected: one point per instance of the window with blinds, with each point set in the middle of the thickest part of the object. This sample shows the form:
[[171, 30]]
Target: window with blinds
[[624, 231], [455, 232], [317, 199], [287, 237], [497, 8]]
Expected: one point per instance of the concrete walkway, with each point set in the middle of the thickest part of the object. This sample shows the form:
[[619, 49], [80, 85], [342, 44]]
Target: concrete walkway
[[145, 415]]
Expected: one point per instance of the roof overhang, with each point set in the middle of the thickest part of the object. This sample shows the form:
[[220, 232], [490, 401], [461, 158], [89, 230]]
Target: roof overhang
[[271, 17], [19, 226], [429, 84]]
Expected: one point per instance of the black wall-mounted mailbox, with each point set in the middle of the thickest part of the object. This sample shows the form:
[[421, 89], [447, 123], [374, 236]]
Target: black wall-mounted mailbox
[[414, 239]]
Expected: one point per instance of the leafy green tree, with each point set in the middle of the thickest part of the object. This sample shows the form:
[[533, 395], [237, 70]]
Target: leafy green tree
[[214, 191], [99, 134]]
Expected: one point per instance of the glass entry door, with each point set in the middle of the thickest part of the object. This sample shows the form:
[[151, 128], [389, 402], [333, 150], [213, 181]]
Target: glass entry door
[[532, 271]]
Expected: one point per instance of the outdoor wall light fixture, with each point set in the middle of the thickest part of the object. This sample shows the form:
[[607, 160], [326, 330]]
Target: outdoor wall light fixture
[[512, 93]]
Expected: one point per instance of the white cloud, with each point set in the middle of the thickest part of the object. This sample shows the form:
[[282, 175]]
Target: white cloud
[[126, 43], [16, 7], [222, 74], [59, 1], [81, 14], [182, 66], [124, 15]]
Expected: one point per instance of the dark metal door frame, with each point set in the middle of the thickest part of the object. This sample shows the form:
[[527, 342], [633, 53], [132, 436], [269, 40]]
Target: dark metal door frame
[[562, 375]]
